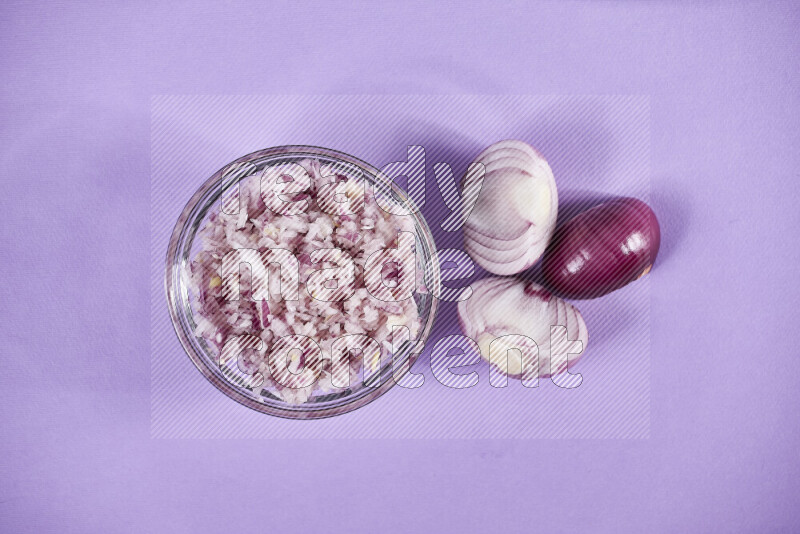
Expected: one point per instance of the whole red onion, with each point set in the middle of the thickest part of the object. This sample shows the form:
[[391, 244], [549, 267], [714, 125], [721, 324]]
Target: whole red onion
[[602, 249]]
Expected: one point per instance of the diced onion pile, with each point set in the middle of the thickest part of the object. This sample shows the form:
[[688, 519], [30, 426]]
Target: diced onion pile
[[360, 234]]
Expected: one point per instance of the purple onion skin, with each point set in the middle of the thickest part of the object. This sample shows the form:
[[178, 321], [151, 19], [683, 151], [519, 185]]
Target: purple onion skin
[[602, 249]]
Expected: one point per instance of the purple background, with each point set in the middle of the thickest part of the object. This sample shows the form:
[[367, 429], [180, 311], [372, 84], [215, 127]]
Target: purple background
[[75, 155]]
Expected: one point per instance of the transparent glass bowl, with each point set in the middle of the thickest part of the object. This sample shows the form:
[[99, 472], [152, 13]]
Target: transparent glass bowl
[[183, 247]]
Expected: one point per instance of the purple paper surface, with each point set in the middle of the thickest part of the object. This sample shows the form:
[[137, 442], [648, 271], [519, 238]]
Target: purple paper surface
[[77, 453]]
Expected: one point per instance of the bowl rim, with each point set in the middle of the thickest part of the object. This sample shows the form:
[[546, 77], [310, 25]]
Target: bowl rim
[[174, 268]]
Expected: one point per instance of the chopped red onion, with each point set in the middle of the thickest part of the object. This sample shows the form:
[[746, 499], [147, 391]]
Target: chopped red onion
[[359, 234]]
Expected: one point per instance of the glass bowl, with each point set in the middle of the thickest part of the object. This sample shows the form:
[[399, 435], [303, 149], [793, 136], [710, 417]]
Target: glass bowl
[[183, 246]]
